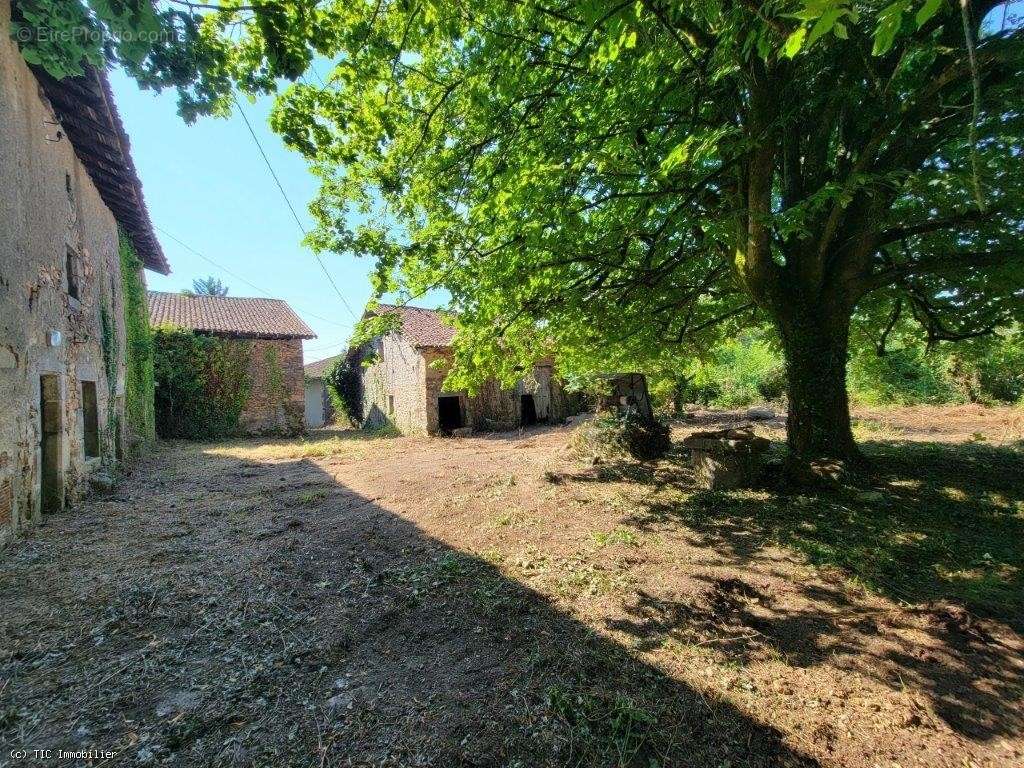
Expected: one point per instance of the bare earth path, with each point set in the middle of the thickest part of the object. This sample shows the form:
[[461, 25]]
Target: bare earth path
[[491, 602]]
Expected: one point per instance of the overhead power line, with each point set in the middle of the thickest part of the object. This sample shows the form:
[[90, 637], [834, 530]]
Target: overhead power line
[[291, 207], [238, 277]]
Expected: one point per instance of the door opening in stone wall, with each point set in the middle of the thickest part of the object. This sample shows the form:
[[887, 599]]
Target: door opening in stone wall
[[527, 410], [449, 413], [90, 420], [51, 477]]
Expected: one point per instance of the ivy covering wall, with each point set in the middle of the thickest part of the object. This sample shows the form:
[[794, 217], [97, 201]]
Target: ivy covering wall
[[202, 384], [140, 418]]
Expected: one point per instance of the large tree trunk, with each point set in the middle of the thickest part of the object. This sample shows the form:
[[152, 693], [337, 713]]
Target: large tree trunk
[[815, 345]]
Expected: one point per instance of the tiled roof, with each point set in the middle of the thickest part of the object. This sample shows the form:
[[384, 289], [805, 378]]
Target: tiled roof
[[316, 369], [228, 315], [421, 327]]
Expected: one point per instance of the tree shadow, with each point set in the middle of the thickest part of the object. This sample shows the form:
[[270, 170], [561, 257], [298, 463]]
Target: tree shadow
[[941, 530], [225, 611]]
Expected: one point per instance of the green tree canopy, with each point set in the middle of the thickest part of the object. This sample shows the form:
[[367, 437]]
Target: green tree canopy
[[617, 179], [624, 181], [207, 286]]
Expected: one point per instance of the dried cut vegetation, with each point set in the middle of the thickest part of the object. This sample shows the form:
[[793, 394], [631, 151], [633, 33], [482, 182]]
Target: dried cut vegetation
[[354, 601]]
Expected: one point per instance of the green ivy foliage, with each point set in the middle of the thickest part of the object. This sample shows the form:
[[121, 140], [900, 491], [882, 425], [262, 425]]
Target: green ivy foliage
[[343, 382], [140, 416], [202, 384]]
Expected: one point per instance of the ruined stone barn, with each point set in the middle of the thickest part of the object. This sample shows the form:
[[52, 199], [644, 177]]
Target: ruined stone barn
[[271, 334], [68, 186], [402, 383]]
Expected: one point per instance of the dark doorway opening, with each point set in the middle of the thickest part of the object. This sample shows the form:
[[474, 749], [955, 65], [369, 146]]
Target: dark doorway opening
[[90, 420], [449, 413], [51, 481], [527, 411]]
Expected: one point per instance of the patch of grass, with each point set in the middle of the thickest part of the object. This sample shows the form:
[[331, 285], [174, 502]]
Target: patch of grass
[[616, 536], [512, 517], [873, 429], [383, 431], [580, 577], [345, 443], [943, 522], [310, 496], [612, 729]]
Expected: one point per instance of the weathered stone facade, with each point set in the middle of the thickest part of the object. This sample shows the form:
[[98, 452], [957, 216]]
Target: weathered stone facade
[[61, 316], [276, 403], [404, 388]]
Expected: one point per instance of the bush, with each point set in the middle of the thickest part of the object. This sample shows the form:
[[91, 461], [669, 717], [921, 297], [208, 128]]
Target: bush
[[742, 371], [905, 376], [611, 436], [343, 380], [1001, 368], [202, 384]]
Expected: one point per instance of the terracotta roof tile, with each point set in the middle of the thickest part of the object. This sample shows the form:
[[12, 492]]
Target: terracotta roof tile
[[421, 327], [230, 315]]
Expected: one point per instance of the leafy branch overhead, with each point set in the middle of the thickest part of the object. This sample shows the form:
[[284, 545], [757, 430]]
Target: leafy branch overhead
[[629, 181]]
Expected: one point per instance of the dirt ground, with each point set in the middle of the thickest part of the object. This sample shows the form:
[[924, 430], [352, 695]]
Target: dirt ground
[[491, 601]]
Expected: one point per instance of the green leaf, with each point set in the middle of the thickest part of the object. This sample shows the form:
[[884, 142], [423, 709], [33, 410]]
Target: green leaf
[[794, 43], [926, 11], [889, 21], [824, 25]]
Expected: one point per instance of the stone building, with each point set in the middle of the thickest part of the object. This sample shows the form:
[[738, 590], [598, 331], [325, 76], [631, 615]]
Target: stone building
[[403, 384], [318, 403], [272, 334], [68, 186]]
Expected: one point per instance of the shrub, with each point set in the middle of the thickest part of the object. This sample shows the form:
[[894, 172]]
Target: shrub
[[611, 436], [741, 371], [904, 376], [1001, 368], [202, 384], [344, 387]]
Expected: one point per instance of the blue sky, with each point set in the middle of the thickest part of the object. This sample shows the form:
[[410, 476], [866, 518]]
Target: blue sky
[[207, 185]]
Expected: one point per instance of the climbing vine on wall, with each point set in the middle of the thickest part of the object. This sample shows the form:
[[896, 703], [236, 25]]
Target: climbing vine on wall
[[108, 341], [202, 383], [139, 412], [292, 417]]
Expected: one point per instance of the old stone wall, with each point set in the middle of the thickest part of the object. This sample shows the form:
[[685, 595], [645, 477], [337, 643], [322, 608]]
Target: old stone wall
[[51, 217], [276, 403], [393, 386], [403, 385], [493, 407]]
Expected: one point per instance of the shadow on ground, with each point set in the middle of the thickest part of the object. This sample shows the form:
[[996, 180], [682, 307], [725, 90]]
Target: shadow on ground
[[940, 529], [220, 611]]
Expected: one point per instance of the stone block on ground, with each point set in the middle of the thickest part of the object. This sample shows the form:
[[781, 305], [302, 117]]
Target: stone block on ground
[[728, 458]]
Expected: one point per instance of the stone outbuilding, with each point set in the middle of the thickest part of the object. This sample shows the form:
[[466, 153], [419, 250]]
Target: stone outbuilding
[[318, 403], [68, 186], [403, 373], [272, 334]]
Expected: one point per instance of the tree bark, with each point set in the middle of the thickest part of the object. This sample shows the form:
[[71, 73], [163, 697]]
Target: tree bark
[[815, 346]]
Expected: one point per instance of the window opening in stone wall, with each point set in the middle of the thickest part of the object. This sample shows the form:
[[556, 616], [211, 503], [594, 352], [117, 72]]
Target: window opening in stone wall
[[71, 265], [90, 420]]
